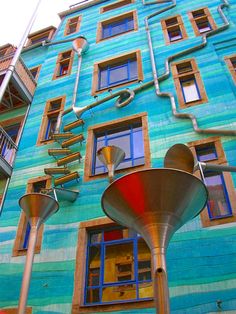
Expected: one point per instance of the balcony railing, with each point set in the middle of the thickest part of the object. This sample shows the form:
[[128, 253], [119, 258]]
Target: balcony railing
[[7, 147]]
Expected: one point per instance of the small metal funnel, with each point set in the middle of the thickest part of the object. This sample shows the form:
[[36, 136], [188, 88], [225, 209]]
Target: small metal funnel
[[155, 203], [111, 157], [80, 45], [38, 207], [179, 156]]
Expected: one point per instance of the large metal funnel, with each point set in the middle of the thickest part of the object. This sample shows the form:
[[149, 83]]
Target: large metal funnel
[[155, 203], [80, 45], [111, 157], [38, 207]]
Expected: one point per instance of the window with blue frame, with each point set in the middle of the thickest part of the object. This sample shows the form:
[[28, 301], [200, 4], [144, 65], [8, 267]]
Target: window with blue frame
[[188, 83], [118, 267], [119, 73], [128, 137], [117, 25], [202, 21], [218, 204], [173, 29]]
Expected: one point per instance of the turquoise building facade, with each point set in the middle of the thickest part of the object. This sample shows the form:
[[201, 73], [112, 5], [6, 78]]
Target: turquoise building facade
[[184, 94]]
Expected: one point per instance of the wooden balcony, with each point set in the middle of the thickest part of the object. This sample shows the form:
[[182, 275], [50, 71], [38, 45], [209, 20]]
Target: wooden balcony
[[21, 86]]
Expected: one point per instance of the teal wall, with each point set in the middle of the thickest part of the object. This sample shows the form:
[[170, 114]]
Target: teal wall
[[201, 261]]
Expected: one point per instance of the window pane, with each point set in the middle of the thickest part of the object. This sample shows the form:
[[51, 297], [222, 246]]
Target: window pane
[[138, 144], [112, 259], [112, 235], [92, 296], [118, 28], [26, 236], [94, 266], [133, 69], [119, 293], [190, 90], [206, 152], [117, 74], [203, 25], [218, 203], [175, 34], [122, 142]]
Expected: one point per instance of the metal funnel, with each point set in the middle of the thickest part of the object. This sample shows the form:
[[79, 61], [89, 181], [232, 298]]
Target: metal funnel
[[155, 203], [38, 207], [80, 45], [179, 156], [111, 157]]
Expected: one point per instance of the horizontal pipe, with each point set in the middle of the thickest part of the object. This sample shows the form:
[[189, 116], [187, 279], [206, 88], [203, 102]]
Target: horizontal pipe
[[215, 167]]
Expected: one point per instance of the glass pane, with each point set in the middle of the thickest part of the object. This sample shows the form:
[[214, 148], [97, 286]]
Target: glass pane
[[118, 74], [171, 21], [119, 293], [95, 237], [133, 69], [122, 142], [203, 26], [106, 31], [145, 290], [144, 261], [130, 24], [125, 164], [37, 186], [92, 296], [175, 35], [118, 28], [206, 152], [218, 206], [138, 144], [99, 145], [190, 90], [115, 255], [103, 78], [139, 161], [94, 262], [184, 67], [112, 235]]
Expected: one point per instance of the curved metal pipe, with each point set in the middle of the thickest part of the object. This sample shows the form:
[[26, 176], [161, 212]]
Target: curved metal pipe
[[182, 53], [214, 167]]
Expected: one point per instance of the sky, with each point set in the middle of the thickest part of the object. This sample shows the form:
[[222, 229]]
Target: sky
[[16, 14]]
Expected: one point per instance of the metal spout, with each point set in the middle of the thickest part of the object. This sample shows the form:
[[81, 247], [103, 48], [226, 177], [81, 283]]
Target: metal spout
[[155, 203], [111, 157]]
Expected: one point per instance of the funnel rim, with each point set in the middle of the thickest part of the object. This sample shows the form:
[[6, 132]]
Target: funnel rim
[[151, 169], [44, 195]]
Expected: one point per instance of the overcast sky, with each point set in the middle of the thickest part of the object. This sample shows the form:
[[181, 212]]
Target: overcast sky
[[15, 16]]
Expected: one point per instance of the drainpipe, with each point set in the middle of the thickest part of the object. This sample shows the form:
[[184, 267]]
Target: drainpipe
[[11, 67], [182, 53]]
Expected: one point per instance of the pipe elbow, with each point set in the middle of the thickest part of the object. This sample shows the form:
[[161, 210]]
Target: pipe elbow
[[125, 98]]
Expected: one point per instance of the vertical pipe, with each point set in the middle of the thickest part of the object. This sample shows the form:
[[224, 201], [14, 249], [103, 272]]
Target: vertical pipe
[[12, 65], [28, 269], [161, 290]]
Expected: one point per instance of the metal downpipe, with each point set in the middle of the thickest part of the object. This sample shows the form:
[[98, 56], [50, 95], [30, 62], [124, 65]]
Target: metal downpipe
[[167, 72]]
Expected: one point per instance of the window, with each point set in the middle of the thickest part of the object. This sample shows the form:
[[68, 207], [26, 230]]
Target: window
[[173, 29], [40, 36], [115, 269], [23, 231], [6, 50], [188, 83], [35, 72], [202, 21], [129, 134], [120, 71], [117, 25], [53, 110], [221, 206], [64, 64], [115, 5], [231, 63], [72, 25]]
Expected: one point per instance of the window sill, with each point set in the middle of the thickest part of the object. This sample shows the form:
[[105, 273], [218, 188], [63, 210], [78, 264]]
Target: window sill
[[112, 307], [124, 171], [114, 36], [114, 86]]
